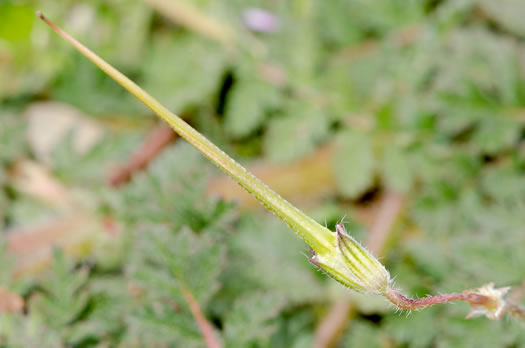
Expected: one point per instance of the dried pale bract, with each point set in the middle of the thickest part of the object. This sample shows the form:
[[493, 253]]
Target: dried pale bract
[[495, 306]]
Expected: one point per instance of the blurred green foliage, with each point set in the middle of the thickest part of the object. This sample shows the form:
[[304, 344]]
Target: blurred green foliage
[[425, 98]]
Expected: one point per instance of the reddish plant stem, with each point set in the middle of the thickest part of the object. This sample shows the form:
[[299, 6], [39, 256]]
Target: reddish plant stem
[[515, 310], [403, 302], [202, 322], [513, 302], [10, 302], [387, 215], [333, 324], [157, 140]]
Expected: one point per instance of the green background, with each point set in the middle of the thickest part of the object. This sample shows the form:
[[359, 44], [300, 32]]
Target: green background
[[424, 100]]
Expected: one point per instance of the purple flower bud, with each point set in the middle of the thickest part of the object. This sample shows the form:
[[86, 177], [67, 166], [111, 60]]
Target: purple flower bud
[[260, 20]]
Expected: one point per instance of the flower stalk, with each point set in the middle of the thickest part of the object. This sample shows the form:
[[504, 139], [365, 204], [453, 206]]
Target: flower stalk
[[338, 254], [486, 300]]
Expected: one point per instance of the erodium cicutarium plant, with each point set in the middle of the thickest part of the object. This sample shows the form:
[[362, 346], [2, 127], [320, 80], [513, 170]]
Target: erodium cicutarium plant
[[337, 253]]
